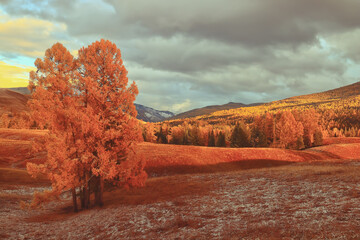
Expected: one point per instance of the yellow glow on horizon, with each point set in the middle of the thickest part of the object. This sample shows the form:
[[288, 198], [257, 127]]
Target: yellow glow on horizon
[[28, 36], [14, 75]]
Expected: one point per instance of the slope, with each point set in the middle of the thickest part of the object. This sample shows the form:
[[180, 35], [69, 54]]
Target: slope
[[14, 100], [149, 114], [166, 159], [11, 101], [210, 109], [347, 97]]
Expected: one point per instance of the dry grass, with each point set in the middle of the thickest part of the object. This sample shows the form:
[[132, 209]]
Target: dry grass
[[15, 147], [18, 176], [298, 201], [204, 193], [341, 140], [10, 100], [21, 134]]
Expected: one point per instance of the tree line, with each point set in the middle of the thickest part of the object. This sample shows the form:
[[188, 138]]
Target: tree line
[[286, 129]]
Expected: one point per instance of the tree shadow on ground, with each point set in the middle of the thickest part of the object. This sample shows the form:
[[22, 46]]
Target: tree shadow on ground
[[214, 168], [170, 184]]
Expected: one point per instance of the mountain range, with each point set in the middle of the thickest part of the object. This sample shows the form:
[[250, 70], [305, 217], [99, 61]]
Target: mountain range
[[149, 114], [345, 97], [15, 99]]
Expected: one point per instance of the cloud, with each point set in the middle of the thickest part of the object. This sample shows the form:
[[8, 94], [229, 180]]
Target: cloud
[[181, 107], [14, 75], [224, 50], [28, 36], [346, 44]]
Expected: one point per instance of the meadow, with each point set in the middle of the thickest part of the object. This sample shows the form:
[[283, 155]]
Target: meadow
[[197, 193]]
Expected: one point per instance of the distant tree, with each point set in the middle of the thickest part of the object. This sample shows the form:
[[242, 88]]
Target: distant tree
[[240, 136], [269, 128], [318, 138], [5, 120], [300, 143], [211, 142], [177, 135], [88, 108], [221, 142], [148, 132], [258, 138], [289, 130], [162, 135], [194, 135], [310, 121]]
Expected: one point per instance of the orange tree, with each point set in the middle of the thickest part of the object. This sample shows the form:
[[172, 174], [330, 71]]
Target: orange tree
[[87, 105]]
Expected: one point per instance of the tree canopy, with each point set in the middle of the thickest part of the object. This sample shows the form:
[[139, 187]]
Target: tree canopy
[[87, 105]]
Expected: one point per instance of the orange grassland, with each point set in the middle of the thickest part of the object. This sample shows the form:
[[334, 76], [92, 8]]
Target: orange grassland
[[197, 193]]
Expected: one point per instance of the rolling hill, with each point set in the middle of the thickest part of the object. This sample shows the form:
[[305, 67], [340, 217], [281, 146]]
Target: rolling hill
[[14, 100], [11, 101], [210, 109], [347, 97]]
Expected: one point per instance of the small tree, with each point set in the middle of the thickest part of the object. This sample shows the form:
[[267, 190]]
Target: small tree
[[289, 130], [4, 120], [221, 142], [240, 136], [162, 134], [318, 138], [258, 137], [211, 142], [300, 143]]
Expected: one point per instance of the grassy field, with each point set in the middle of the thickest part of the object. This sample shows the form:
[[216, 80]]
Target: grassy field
[[198, 193]]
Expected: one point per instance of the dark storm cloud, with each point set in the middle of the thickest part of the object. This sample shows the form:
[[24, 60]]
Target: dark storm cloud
[[250, 22], [250, 50]]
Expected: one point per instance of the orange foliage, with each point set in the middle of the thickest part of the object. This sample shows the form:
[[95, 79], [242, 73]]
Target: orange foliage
[[87, 106], [288, 130]]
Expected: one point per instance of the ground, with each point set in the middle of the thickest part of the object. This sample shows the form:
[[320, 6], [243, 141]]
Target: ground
[[315, 196]]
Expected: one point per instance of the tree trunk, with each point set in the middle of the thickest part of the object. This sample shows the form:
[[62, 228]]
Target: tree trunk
[[101, 191], [86, 192], [82, 198], [74, 199], [96, 190]]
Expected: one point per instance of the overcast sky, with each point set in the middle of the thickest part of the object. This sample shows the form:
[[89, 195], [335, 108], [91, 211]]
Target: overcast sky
[[187, 54]]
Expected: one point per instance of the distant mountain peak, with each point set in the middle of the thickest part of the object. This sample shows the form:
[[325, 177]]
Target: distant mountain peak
[[149, 114]]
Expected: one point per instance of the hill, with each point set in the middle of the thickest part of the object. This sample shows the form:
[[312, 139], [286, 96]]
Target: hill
[[11, 101], [334, 94], [210, 109], [343, 97], [347, 97], [149, 114], [167, 159], [22, 90], [14, 100]]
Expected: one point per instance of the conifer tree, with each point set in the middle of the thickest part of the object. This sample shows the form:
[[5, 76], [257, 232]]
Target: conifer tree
[[211, 142], [221, 142], [318, 138], [289, 130], [300, 143], [240, 136]]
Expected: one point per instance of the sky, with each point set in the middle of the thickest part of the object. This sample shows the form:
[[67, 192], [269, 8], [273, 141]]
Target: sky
[[188, 54]]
